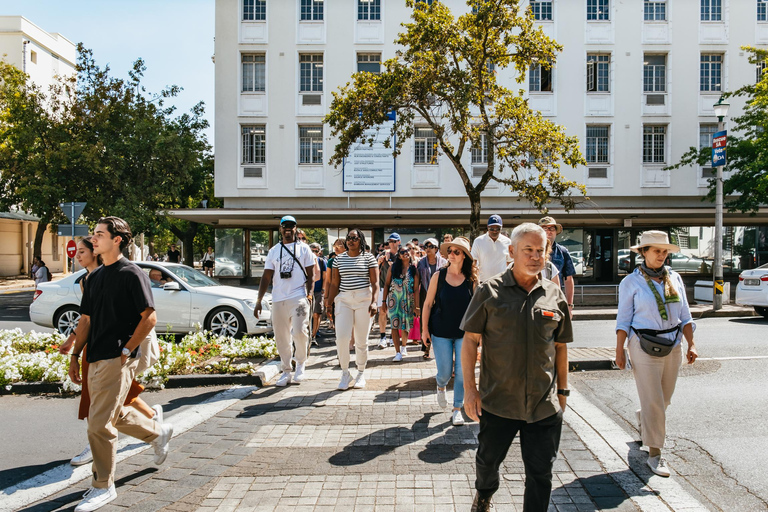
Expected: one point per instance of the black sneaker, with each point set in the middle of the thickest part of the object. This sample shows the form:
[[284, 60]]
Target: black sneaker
[[481, 504]]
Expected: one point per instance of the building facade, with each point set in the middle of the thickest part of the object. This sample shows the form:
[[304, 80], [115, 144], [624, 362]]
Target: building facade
[[43, 56], [635, 82]]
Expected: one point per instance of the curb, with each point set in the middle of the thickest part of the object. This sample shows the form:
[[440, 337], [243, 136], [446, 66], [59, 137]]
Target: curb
[[265, 373], [707, 313]]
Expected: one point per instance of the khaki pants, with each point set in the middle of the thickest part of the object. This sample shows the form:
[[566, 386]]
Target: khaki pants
[[352, 315], [290, 321], [655, 378], [108, 383]]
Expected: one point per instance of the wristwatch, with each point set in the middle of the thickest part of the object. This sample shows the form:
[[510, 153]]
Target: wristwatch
[[564, 392], [126, 352]]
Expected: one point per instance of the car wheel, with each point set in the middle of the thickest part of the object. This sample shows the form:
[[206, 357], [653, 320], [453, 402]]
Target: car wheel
[[226, 322], [65, 320], [762, 311], [225, 272]]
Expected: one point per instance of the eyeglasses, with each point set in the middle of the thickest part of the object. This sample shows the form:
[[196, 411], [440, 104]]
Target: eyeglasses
[[549, 228], [494, 229], [429, 246], [457, 252], [353, 239]]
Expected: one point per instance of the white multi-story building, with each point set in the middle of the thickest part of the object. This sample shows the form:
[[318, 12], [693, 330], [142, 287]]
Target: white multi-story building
[[635, 82], [42, 55]]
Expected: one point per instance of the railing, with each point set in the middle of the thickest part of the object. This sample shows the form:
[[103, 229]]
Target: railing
[[596, 294]]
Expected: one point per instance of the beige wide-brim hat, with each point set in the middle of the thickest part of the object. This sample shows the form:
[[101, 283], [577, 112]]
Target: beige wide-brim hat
[[655, 239], [550, 221], [459, 242]]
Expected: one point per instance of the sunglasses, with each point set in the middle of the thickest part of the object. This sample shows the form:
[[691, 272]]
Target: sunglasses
[[314, 250], [494, 229], [549, 228], [457, 252], [353, 239], [288, 226], [429, 246], [402, 251]]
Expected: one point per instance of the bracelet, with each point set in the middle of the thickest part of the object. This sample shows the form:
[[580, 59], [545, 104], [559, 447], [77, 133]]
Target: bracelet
[[571, 305], [75, 355]]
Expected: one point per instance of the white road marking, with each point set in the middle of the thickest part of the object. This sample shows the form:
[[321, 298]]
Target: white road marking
[[609, 443], [734, 358], [61, 477]]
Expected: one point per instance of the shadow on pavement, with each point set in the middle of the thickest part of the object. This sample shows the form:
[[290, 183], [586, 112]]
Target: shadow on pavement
[[751, 320], [12, 476]]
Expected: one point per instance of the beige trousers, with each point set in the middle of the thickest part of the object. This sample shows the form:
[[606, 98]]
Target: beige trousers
[[352, 315], [108, 385], [655, 378], [290, 321]]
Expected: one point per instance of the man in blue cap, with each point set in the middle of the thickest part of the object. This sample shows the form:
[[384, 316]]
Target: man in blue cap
[[491, 250], [385, 260], [289, 268]]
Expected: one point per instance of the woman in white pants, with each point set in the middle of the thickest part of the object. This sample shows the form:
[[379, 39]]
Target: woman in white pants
[[354, 289], [653, 313]]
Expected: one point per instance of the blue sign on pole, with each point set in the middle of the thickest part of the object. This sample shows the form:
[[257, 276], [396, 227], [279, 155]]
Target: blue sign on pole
[[718, 148]]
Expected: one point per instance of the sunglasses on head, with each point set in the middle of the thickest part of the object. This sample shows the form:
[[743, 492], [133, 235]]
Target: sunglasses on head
[[353, 239], [457, 252]]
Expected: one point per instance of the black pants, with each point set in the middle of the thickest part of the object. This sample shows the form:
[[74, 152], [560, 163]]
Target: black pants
[[539, 444]]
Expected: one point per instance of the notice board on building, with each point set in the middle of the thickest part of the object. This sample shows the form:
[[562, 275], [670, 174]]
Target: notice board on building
[[371, 168]]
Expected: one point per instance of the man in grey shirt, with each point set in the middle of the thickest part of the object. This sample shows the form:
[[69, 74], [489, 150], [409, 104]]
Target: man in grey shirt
[[524, 324]]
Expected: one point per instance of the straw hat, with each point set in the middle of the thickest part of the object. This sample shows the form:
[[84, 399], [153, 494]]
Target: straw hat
[[655, 239], [460, 243]]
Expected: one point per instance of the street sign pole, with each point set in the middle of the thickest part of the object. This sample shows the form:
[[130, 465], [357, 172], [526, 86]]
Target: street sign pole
[[719, 141], [72, 210]]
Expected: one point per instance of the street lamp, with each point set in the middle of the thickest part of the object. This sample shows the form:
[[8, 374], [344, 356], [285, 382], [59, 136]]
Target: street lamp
[[721, 110]]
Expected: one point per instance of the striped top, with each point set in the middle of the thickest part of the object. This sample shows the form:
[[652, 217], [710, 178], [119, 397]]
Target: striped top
[[353, 271]]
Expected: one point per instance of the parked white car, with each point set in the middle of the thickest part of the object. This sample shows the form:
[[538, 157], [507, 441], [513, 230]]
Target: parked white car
[[186, 298], [752, 289]]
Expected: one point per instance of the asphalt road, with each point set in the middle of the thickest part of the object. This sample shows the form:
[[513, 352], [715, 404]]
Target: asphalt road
[[717, 441], [14, 311]]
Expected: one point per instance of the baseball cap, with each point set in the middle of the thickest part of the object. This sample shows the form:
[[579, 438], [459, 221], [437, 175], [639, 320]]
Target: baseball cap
[[494, 220], [288, 218], [431, 241], [394, 236]]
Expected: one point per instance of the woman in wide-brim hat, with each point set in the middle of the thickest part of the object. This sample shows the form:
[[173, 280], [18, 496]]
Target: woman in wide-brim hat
[[448, 296], [652, 298]]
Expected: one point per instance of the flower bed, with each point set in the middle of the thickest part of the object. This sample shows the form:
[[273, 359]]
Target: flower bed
[[34, 357]]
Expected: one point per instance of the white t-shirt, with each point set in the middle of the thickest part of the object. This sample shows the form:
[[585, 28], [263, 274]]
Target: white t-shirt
[[281, 261], [491, 257], [549, 271]]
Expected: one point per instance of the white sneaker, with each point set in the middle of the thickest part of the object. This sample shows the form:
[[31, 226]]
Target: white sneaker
[[94, 498], [457, 419], [299, 375], [84, 458], [404, 351], [658, 465], [639, 425], [390, 343], [359, 381], [382, 343], [158, 413], [162, 442], [441, 400], [398, 357], [284, 380], [346, 380]]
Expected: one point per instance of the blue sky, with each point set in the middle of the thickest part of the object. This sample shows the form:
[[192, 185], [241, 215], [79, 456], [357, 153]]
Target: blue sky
[[174, 37]]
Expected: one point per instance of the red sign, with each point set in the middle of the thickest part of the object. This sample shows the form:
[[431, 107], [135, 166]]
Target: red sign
[[71, 248]]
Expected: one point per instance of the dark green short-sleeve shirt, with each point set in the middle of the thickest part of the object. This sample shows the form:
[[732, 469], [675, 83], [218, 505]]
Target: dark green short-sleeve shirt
[[519, 331]]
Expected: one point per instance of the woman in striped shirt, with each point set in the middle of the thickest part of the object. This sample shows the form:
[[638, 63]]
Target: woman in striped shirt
[[354, 288]]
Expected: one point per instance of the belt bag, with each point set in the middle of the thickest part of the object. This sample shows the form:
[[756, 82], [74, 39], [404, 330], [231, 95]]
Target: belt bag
[[655, 345]]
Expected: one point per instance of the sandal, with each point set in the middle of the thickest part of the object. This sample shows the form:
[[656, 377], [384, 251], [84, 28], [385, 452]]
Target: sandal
[[426, 352]]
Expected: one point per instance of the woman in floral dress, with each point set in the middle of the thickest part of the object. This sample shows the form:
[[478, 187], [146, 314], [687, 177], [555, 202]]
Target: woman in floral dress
[[399, 299]]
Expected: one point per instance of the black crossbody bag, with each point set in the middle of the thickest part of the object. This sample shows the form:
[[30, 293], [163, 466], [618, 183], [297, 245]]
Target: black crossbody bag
[[653, 344]]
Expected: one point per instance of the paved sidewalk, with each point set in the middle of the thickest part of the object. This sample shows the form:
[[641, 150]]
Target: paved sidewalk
[[308, 447]]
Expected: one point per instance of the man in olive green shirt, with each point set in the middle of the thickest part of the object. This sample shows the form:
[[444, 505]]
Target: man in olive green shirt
[[524, 323]]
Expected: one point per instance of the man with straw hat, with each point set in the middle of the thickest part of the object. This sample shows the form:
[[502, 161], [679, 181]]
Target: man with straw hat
[[561, 259]]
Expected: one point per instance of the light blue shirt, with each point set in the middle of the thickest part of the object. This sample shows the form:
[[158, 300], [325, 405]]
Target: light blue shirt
[[638, 308]]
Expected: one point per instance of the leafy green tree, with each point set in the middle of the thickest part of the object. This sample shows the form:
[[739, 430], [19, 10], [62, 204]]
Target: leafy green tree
[[747, 148], [444, 76]]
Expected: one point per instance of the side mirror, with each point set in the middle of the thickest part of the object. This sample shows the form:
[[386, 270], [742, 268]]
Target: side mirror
[[173, 286]]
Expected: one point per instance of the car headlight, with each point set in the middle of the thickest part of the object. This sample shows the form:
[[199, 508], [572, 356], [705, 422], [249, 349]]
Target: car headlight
[[265, 305], [250, 303]]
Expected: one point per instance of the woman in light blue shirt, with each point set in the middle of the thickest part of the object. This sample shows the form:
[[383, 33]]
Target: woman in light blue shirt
[[653, 298]]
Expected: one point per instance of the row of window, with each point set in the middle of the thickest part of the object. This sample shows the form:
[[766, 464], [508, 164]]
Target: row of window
[[425, 144], [539, 77], [598, 142], [597, 10]]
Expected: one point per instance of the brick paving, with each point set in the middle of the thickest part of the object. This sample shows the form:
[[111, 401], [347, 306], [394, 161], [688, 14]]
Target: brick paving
[[309, 447]]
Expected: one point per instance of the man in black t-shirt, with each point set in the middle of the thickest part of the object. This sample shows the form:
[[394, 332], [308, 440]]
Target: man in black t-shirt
[[174, 256], [117, 313]]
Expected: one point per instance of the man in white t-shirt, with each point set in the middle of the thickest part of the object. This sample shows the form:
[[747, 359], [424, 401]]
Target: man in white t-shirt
[[491, 250], [286, 267]]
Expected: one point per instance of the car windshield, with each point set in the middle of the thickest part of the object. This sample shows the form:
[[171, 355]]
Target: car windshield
[[191, 276]]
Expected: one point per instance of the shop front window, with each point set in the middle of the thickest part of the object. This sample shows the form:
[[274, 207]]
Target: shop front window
[[229, 253], [259, 250], [573, 240]]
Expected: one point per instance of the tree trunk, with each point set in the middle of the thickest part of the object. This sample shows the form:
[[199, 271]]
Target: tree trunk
[[474, 216], [39, 234], [188, 237]]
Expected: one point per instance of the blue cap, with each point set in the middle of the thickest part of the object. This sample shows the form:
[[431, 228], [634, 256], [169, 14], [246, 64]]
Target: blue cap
[[394, 236], [494, 220], [288, 218]]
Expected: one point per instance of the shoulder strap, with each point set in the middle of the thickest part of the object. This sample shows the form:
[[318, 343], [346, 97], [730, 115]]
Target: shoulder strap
[[441, 274], [303, 270]]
